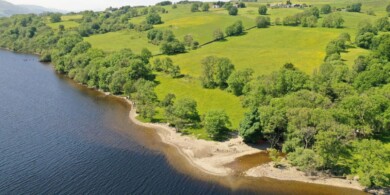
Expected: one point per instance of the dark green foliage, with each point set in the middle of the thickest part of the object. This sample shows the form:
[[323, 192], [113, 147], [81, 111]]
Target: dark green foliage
[[195, 7], [263, 22], [153, 18], [381, 46], [236, 29], [54, 18], [306, 159], [168, 100], [356, 7], [366, 33], [388, 9], [233, 11], [183, 113], [326, 9], [237, 81], [335, 47], [263, 10], [205, 7], [173, 47], [164, 3], [250, 127], [383, 24], [216, 123], [365, 40], [371, 160], [216, 72], [145, 98]]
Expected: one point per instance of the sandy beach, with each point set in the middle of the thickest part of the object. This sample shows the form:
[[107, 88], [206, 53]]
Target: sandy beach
[[211, 157]]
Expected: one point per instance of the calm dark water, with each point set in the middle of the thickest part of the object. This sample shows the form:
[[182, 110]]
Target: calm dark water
[[57, 137]]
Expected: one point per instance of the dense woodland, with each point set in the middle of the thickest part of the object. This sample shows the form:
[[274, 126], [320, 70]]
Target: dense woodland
[[330, 121]]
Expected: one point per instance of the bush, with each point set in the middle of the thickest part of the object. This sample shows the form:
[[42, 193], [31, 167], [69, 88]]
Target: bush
[[216, 123], [263, 22], [356, 7], [334, 20], [263, 10], [218, 34], [195, 7], [326, 9], [173, 47], [236, 29], [54, 18], [153, 18], [233, 11]]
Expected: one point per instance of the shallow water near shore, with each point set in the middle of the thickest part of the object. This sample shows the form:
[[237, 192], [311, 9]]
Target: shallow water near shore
[[57, 136]]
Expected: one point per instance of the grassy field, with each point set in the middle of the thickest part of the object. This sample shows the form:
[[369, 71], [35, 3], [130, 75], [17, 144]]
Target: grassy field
[[115, 41], [67, 21], [263, 50]]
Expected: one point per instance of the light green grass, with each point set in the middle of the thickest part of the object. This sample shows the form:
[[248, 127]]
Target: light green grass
[[115, 41], [207, 99], [67, 25], [71, 17], [263, 50], [266, 50]]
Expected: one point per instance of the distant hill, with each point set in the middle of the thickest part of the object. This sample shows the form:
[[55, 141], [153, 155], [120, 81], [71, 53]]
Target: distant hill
[[9, 9]]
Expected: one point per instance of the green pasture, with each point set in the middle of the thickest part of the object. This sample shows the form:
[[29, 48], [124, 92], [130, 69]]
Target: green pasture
[[263, 50], [116, 41]]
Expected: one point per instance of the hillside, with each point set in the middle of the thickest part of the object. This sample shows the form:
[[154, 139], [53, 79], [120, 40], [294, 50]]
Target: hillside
[[9, 9]]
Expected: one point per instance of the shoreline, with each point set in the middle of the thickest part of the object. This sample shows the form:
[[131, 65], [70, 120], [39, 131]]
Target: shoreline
[[212, 157]]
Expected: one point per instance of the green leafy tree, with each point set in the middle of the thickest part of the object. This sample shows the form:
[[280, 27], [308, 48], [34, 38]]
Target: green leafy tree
[[183, 113], [233, 11], [263, 22], [146, 55], [236, 29], [238, 79], [250, 127], [168, 100], [370, 160], [218, 34], [173, 47], [330, 146], [345, 37], [274, 124], [188, 40], [306, 159], [216, 123], [195, 7], [326, 9], [356, 7], [383, 24], [216, 72], [205, 7], [55, 18], [334, 20], [153, 18], [145, 98], [263, 10], [388, 9]]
